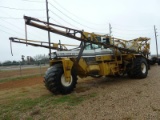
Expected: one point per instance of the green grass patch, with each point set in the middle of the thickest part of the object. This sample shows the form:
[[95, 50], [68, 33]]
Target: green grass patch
[[16, 106], [72, 100], [19, 78]]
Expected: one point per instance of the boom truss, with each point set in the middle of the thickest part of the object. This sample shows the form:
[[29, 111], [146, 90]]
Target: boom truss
[[139, 45]]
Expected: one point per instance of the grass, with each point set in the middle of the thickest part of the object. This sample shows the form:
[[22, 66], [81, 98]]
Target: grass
[[25, 105], [72, 100], [29, 102], [19, 78]]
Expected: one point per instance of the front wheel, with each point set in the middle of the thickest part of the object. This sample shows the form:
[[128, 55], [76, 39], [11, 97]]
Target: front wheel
[[55, 80], [139, 68]]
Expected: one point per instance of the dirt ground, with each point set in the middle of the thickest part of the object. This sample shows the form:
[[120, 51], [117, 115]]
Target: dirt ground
[[21, 83], [115, 98]]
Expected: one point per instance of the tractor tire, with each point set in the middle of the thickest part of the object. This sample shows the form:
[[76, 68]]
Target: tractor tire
[[153, 61], [55, 80], [139, 68], [159, 61]]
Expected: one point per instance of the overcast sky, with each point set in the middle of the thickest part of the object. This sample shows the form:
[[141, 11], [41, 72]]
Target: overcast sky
[[129, 19]]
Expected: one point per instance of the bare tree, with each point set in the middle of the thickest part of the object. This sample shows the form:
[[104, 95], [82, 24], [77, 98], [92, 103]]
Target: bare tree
[[41, 58]]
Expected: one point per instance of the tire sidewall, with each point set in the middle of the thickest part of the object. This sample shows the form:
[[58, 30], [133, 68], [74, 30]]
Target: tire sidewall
[[135, 70], [66, 89], [143, 60]]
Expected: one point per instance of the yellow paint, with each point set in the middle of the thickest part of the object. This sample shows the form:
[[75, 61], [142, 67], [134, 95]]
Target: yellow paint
[[67, 67], [93, 68], [104, 58]]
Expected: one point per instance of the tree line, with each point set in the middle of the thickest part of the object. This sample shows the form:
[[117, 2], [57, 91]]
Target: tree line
[[28, 60]]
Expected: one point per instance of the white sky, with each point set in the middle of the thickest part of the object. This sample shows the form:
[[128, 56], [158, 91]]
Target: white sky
[[129, 19]]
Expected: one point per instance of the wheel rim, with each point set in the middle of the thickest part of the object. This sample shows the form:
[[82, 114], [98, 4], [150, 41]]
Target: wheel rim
[[143, 68], [64, 82]]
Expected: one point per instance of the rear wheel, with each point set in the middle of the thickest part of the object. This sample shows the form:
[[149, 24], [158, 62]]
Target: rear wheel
[[139, 68], [55, 80], [158, 61], [153, 61]]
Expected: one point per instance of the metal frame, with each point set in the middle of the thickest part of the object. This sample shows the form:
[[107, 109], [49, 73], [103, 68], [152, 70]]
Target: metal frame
[[72, 33]]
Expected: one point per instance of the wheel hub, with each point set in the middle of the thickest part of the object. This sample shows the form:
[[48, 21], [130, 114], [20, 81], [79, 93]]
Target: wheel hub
[[65, 82]]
